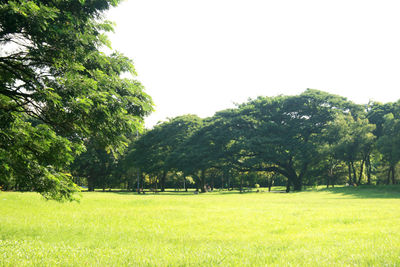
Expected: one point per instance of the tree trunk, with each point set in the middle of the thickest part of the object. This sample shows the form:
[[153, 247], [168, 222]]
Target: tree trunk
[[393, 174], [241, 184], [162, 181], [388, 176], [270, 184], [90, 184], [368, 169], [297, 183], [202, 181], [349, 168], [361, 172], [288, 186], [354, 173]]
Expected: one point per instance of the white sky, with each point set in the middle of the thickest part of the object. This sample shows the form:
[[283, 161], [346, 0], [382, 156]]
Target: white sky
[[200, 57]]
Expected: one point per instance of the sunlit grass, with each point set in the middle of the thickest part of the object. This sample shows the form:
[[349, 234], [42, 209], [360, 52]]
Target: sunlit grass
[[343, 226]]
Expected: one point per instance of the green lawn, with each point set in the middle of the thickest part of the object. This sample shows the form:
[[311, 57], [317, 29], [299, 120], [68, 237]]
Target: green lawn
[[342, 226]]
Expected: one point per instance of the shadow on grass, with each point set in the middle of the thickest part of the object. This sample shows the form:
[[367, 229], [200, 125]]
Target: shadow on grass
[[190, 192], [364, 191], [367, 191]]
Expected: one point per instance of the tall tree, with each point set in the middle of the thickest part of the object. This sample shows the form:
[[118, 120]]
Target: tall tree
[[57, 89]]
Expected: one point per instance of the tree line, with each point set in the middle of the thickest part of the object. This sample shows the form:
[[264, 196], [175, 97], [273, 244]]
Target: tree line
[[68, 117], [308, 139]]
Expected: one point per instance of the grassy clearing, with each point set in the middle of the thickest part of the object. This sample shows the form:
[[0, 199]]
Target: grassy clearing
[[343, 226]]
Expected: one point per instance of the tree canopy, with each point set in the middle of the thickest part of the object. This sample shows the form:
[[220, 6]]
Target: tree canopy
[[314, 137], [58, 89]]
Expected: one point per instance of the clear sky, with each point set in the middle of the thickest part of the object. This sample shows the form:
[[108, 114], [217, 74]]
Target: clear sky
[[199, 57]]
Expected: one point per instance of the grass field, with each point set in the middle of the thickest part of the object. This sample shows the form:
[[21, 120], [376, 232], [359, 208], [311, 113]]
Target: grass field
[[341, 226]]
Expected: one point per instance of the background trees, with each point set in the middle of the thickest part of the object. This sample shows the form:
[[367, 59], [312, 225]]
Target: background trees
[[307, 139], [153, 153], [61, 97], [389, 142]]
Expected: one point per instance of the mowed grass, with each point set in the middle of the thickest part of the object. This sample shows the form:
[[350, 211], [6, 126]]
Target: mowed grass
[[343, 226]]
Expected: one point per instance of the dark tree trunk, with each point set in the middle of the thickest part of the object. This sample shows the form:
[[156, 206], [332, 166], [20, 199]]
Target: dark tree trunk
[[202, 181], [90, 184], [241, 184], [297, 183], [162, 181], [349, 168], [354, 173], [327, 182], [368, 169], [270, 184], [230, 186], [361, 172], [288, 186], [388, 176], [393, 174]]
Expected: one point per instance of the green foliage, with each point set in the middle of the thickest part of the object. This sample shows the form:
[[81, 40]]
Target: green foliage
[[283, 134], [389, 142], [57, 90], [307, 139], [153, 153]]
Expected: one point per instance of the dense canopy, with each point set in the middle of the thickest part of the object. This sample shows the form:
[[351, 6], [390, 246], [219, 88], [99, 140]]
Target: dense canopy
[[58, 89], [68, 116], [307, 139]]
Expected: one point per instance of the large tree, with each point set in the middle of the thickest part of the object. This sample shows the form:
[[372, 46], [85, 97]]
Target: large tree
[[283, 134], [57, 89]]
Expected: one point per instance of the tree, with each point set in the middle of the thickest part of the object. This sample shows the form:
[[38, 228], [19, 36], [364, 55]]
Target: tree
[[389, 142], [57, 89], [96, 165], [206, 151], [353, 142], [282, 134], [152, 152], [385, 117]]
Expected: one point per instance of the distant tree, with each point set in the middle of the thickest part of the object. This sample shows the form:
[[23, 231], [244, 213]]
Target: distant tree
[[385, 117], [98, 167], [353, 143], [389, 142], [207, 151], [151, 153], [57, 89]]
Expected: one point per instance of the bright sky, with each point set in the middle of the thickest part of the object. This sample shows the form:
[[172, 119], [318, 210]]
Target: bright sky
[[200, 57]]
